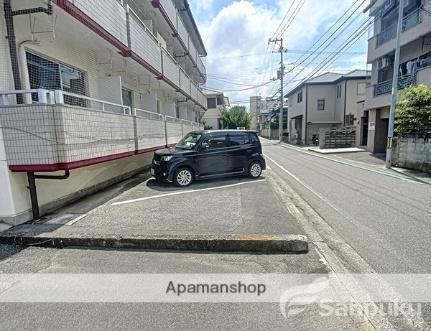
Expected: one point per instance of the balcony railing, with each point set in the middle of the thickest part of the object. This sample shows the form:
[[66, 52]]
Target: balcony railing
[[52, 135], [386, 87], [179, 26], [409, 21], [126, 27]]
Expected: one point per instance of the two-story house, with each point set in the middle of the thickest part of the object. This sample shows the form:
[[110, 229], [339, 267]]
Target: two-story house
[[88, 89], [216, 103], [327, 101], [415, 59]]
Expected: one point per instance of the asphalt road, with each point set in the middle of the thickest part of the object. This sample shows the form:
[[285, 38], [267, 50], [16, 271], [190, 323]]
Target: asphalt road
[[160, 316], [385, 216]]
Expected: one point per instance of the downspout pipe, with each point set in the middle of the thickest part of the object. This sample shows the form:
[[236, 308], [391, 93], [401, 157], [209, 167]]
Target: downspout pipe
[[11, 37], [31, 177]]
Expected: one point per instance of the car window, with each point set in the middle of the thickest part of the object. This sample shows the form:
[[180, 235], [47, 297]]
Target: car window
[[254, 139], [237, 139], [189, 141], [216, 141]]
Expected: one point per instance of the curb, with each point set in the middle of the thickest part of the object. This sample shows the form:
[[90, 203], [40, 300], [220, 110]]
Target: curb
[[295, 244]]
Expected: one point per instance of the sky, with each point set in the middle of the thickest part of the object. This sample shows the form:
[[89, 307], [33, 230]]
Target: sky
[[236, 33]]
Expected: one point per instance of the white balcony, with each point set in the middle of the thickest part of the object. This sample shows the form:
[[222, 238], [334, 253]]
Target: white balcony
[[178, 26], [113, 19], [144, 43], [122, 26], [185, 82], [170, 69], [54, 136]]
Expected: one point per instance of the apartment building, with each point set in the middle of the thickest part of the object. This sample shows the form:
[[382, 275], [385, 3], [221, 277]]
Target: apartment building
[[415, 60], [216, 103], [88, 89], [259, 110], [327, 101]]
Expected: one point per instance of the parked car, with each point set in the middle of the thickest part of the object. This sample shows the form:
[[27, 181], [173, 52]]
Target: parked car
[[209, 154]]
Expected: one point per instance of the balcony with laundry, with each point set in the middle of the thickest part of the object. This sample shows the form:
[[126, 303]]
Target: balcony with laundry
[[416, 23]]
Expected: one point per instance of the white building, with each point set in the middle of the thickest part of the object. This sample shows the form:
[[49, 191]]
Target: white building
[[216, 103], [88, 89], [415, 60], [327, 101]]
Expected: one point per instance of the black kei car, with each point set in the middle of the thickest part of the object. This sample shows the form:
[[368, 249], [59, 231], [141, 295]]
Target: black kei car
[[209, 154]]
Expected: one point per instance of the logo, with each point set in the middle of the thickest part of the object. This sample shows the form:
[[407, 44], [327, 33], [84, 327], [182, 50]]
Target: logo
[[294, 300]]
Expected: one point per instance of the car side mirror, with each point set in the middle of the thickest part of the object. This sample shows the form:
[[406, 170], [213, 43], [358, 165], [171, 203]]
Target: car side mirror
[[205, 146]]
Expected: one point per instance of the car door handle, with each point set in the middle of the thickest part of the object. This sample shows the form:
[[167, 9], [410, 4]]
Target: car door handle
[[249, 151]]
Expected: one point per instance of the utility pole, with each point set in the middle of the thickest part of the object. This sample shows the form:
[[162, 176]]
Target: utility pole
[[394, 87], [281, 50]]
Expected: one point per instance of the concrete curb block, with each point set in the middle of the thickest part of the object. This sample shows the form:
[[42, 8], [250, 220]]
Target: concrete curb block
[[295, 244]]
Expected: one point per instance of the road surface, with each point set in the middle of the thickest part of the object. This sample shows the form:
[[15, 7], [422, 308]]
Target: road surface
[[385, 216]]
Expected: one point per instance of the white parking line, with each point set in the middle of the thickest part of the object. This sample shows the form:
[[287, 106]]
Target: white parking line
[[76, 219], [184, 192]]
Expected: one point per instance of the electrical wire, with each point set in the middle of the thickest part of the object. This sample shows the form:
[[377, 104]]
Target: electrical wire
[[293, 16]]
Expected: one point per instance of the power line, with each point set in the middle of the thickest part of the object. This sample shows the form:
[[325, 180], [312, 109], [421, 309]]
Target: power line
[[334, 35], [351, 40], [322, 46], [282, 21], [249, 88], [292, 18], [332, 26]]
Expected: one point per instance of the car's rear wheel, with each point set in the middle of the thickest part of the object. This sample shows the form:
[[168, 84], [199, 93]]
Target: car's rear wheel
[[255, 169], [183, 177]]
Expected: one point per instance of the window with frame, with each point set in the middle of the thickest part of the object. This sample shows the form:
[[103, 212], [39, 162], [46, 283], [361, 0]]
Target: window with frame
[[51, 75], [350, 120], [212, 103], [321, 104], [299, 97], [361, 88], [339, 91], [127, 97]]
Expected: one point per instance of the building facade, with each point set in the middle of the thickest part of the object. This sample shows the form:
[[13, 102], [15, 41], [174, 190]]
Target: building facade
[[415, 60], [216, 103], [327, 101], [88, 89], [260, 110]]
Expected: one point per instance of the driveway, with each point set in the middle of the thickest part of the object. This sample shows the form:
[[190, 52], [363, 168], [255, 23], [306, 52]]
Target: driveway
[[239, 208]]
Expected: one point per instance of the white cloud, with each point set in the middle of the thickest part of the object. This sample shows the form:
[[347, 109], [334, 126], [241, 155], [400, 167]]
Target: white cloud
[[243, 28]]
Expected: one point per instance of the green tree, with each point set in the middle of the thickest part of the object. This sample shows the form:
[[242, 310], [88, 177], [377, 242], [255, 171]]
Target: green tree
[[413, 112], [235, 117]]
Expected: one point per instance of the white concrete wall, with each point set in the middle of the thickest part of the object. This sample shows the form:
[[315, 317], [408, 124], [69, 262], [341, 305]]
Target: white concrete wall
[[15, 202], [316, 92], [297, 108], [77, 50]]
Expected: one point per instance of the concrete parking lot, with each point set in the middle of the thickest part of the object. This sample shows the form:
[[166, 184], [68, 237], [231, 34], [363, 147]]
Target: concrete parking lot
[[149, 214], [228, 206]]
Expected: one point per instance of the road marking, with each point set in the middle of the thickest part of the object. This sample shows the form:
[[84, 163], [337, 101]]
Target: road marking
[[308, 187], [325, 239], [71, 222], [184, 192], [350, 163]]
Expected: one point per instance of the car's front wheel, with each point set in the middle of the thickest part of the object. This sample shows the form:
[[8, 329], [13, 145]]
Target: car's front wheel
[[183, 177], [255, 169]]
